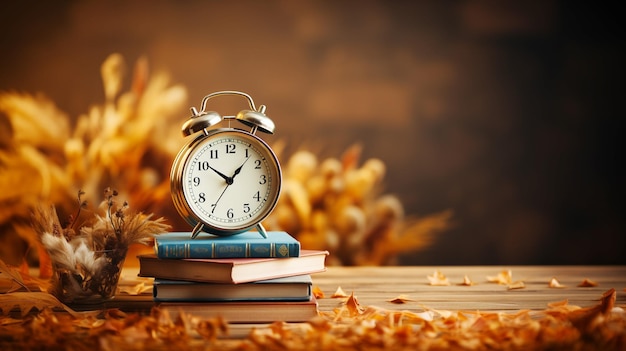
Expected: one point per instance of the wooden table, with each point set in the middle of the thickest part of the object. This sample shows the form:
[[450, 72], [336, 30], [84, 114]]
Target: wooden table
[[377, 285]]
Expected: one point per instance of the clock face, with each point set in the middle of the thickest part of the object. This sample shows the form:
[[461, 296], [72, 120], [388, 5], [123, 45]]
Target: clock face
[[229, 180]]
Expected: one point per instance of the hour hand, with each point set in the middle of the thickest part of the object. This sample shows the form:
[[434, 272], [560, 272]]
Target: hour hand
[[226, 178]]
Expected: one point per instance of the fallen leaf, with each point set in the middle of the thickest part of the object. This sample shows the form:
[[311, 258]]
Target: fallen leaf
[[554, 283], [583, 318], [400, 299], [587, 284], [438, 279], [339, 293], [503, 278], [26, 301], [12, 274], [353, 305], [467, 281], [516, 285], [317, 292]]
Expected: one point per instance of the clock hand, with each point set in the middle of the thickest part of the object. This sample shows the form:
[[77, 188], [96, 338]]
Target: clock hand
[[218, 199], [239, 169], [229, 180]]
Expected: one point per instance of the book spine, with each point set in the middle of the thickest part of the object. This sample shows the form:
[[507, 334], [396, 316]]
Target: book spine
[[194, 249]]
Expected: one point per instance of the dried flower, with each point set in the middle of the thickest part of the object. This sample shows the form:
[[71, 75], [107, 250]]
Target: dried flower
[[89, 263]]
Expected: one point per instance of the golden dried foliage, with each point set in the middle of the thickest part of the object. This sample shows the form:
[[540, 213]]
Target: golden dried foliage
[[560, 326], [335, 204], [126, 142]]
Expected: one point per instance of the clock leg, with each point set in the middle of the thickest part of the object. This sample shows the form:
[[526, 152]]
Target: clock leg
[[261, 230], [196, 230]]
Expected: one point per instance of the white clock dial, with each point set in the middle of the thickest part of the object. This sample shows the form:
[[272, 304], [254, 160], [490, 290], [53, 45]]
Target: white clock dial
[[230, 181]]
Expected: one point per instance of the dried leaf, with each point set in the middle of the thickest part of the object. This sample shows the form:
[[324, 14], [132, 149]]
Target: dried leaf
[[353, 306], [503, 278], [13, 275], [554, 283], [339, 293], [26, 301], [516, 285], [466, 281], [317, 292], [586, 283], [400, 299], [438, 279]]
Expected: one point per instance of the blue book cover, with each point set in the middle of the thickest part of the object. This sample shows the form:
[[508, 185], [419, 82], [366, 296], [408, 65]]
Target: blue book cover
[[278, 244]]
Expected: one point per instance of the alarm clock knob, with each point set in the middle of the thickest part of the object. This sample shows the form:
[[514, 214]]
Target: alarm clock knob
[[257, 120], [200, 121]]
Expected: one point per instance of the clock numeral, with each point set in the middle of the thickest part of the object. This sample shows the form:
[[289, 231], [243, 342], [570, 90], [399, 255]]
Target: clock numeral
[[204, 165], [213, 154], [263, 179], [230, 148], [201, 197], [230, 214], [257, 164], [196, 181], [257, 196], [247, 153], [246, 208]]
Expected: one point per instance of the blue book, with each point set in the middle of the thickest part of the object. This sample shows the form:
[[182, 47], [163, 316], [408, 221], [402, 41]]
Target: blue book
[[278, 244]]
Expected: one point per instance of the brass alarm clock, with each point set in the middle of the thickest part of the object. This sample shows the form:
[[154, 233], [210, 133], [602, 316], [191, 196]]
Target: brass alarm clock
[[226, 180]]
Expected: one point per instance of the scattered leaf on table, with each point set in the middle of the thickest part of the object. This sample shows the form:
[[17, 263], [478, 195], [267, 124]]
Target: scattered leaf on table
[[317, 292], [587, 283], [467, 281], [400, 299], [516, 285], [503, 278], [353, 305], [339, 293], [438, 279], [554, 283], [26, 301]]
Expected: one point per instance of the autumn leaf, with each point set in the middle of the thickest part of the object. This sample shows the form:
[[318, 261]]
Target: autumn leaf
[[339, 293], [13, 274], [26, 301], [466, 281], [516, 285], [317, 292], [438, 279], [400, 299], [503, 278], [587, 284], [353, 306], [555, 284]]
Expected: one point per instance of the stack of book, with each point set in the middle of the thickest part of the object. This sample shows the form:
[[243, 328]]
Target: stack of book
[[244, 278]]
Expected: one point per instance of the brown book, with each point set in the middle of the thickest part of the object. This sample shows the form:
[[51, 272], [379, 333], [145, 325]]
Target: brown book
[[246, 312], [232, 270]]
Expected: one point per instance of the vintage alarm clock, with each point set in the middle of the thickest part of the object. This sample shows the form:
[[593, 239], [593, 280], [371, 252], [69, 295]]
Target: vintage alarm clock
[[226, 180]]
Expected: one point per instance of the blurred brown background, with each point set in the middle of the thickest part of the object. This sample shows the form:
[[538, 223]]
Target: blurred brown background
[[506, 112]]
